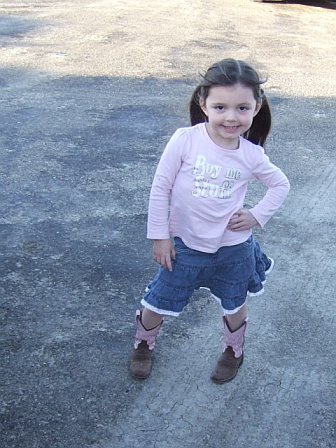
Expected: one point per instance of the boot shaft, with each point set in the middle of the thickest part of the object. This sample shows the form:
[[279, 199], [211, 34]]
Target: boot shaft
[[142, 334], [234, 339], [141, 360]]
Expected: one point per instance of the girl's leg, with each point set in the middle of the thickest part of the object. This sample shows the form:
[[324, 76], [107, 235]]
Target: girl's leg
[[163, 293], [148, 325], [232, 357], [150, 319], [236, 320]]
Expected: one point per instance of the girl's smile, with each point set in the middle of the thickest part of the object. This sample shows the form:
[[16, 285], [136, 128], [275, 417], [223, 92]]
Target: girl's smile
[[231, 128], [230, 111]]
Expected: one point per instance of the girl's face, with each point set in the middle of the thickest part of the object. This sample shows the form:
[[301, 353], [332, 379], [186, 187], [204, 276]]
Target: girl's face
[[230, 111]]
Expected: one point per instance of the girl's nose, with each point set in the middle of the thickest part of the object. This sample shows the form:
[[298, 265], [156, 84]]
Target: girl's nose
[[230, 115]]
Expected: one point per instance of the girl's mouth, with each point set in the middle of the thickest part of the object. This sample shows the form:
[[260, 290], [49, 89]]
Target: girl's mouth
[[231, 128]]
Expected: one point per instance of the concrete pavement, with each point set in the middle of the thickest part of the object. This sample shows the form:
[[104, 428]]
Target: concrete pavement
[[90, 92]]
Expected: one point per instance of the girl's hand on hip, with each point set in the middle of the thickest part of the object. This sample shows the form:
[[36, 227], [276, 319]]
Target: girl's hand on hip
[[163, 253], [242, 220]]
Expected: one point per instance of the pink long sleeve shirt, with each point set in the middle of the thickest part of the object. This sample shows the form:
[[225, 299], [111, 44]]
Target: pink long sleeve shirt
[[198, 186]]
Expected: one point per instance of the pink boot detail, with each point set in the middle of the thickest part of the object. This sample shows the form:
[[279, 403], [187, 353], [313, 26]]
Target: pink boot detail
[[145, 335], [232, 357], [234, 339], [141, 360]]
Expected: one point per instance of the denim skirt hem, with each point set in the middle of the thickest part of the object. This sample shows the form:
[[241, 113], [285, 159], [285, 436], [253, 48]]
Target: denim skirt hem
[[226, 311], [158, 310], [231, 275]]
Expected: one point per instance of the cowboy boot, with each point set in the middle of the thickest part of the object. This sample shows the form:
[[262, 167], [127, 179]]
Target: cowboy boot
[[232, 357], [141, 360]]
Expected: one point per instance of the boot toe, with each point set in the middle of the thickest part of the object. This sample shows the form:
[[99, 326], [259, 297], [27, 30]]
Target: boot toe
[[227, 367], [141, 361]]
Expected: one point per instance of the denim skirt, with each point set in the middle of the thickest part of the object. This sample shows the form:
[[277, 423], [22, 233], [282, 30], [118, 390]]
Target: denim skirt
[[230, 274]]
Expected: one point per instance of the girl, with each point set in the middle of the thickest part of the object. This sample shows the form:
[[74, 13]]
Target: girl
[[197, 199]]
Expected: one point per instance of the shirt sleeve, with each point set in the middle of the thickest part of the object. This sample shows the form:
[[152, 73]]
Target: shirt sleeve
[[166, 172], [278, 188]]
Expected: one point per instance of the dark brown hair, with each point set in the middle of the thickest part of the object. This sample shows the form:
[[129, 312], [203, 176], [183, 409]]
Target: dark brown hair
[[229, 72]]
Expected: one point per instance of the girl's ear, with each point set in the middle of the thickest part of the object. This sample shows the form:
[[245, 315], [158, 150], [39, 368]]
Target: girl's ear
[[257, 108], [203, 106]]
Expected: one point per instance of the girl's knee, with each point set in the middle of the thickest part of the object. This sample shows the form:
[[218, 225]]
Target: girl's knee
[[237, 319], [150, 319]]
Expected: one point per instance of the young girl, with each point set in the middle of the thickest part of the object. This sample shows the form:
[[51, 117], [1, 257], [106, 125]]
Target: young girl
[[201, 231]]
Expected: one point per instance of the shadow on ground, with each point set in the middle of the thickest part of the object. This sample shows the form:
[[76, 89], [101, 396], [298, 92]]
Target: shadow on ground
[[321, 4], [14, 27]]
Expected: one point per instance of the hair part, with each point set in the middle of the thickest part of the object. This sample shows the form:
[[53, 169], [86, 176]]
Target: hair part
[[229, 72]]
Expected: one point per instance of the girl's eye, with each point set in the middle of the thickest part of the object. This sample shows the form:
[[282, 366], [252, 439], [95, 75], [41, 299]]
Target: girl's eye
[[243, 108], [219, 107]]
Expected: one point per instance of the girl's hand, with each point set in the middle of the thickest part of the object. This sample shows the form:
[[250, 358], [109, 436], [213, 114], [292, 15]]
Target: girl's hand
[[242, 220], [163, 253]]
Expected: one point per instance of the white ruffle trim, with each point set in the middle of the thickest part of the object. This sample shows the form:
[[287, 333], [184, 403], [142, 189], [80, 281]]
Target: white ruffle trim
[[157, 310], [258, 293], [271, 267], [227, 311]]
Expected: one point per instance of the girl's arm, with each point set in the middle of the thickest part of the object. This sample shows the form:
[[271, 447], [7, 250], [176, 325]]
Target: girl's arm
[[164, 178], [158, 210], [278, 188]]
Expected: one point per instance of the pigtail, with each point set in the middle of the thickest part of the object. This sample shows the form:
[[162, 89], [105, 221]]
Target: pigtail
[[261, 124], [196, 113]]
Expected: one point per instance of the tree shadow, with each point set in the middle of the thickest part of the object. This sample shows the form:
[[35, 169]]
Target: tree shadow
[[15, 27]]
